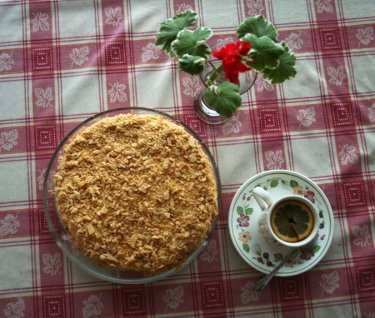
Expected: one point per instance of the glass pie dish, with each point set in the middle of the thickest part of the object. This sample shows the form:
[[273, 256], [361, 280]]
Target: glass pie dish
[[61, 235]]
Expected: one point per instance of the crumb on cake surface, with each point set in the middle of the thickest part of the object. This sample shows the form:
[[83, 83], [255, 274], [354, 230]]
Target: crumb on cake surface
[[136, 192]]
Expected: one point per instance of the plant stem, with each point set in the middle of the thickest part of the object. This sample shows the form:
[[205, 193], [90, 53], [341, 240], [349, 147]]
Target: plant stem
[[216, 71], [212, 65]]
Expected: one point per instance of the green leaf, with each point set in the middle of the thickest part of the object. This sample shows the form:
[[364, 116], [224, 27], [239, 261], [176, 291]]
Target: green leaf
[[274, 183], [259, 26], [264, 52], [293, 183], [316, 248], [224, 98], [240, 210], [256, 249], [192, 64], [249, 211], [278, 257], [246, 247], [285, 70], [170, 28], [192, 42]]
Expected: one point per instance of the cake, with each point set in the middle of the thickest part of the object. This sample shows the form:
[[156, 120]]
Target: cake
[[136, 192]]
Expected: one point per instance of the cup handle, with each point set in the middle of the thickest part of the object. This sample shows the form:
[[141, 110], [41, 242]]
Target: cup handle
[[263, 198]]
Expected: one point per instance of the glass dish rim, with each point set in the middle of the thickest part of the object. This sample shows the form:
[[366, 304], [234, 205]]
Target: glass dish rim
[[75, 258]]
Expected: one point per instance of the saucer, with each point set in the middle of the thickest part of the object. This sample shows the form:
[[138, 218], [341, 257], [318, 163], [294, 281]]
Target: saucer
[[253, 247]]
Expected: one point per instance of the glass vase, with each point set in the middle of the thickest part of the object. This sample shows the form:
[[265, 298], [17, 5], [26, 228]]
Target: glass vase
[[206, 112]]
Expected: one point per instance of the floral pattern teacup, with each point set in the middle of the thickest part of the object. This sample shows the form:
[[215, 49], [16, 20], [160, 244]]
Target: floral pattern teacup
[[269, 206]]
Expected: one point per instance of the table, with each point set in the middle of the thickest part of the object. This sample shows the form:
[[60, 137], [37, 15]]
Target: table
[[62, 61]]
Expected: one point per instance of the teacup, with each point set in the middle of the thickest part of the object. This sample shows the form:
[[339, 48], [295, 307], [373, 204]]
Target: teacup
[[291, 221]]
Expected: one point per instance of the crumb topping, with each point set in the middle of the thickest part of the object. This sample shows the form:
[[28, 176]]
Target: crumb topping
[[136, 192]]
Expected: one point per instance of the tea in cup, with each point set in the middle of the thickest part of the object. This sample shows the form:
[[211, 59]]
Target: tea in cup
[[291, 221]]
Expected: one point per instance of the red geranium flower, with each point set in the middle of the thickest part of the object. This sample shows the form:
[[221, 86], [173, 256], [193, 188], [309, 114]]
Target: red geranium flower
[[231, 55]]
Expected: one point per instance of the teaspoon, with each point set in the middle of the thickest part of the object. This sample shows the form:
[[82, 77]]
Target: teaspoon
[[263, 282]]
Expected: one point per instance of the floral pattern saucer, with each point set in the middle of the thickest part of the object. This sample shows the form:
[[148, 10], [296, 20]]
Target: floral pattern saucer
[[253, 247]]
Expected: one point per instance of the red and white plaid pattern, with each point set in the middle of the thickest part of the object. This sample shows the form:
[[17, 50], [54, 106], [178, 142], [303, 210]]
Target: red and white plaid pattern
[[62, 61]]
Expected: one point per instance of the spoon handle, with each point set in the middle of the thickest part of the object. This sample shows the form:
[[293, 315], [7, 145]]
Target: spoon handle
[[263, 282]]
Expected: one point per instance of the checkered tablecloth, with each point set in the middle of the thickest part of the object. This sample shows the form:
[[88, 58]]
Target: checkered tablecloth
[[62, 61]]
